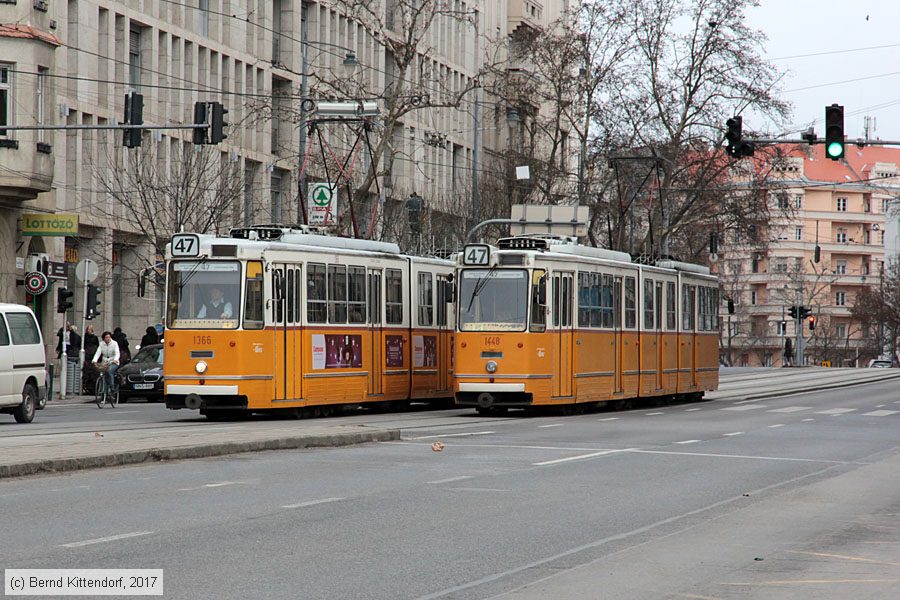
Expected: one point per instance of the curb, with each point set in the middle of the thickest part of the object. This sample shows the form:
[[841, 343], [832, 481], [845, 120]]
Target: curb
[[59, 465], [795, 391]]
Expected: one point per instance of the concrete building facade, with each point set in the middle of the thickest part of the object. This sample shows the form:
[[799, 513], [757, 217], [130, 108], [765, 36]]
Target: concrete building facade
[[72, 63], [840, 207]]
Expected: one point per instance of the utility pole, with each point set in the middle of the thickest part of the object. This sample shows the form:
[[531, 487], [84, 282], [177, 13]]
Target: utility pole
[[476, 126], [304, 94], [799, 326]]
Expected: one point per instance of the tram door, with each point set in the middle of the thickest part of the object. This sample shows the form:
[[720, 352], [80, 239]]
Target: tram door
[[660, 344], [376, 339], [564, 336], [285, 307], [618, 383]]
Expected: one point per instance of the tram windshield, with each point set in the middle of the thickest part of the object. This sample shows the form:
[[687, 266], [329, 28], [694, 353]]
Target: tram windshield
[[493, 300], [204, 294]]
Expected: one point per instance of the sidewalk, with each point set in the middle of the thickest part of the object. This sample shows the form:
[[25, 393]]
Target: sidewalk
[[52, 453]]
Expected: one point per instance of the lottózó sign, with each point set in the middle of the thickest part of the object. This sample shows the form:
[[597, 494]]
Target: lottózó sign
[[49, 225]]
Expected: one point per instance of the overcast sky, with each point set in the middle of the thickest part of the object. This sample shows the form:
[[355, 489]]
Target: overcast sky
[[802, 27]]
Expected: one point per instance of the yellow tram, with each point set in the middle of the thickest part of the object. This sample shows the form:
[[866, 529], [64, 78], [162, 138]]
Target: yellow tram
[[274, 318], [544, 321]]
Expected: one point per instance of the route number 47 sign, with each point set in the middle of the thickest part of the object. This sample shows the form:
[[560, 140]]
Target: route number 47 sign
[[323, 204]]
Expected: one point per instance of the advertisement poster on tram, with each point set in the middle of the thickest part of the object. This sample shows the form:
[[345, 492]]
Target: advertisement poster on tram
[[424, 351], [393, 350], [343, 351], [318, 351]]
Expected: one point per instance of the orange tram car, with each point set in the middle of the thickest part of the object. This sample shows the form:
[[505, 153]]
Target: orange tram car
[[288, 320], [543, 321]]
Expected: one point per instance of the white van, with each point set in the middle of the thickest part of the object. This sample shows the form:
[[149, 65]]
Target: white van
[[23, 363]]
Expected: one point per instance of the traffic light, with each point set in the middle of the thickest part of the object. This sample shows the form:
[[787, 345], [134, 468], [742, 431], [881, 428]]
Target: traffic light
[[737, 147], [805, 311], [730, 306], [93, 301], [792, 311], [134, 115], [818, 254], [217, 123], [201, 117], [834, 132], [63, 304], [812, 323], [414, 206]]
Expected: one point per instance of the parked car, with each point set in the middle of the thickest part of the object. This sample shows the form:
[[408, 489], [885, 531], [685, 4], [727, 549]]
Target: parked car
[[143, 376], [880, 363], [23, 363]]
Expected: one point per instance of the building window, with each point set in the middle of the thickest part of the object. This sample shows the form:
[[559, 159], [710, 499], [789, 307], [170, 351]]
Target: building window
[[40, 97], [841, 267], [781, 266], [783, 202], [867, 205], [753, 297], [840, 298], [203, 15], [798, 201], [798, 234], [134, 58], [276, 198], [885, 202], [842, 237], [841, 331], [881, 237], [842, 205], [6, 92]]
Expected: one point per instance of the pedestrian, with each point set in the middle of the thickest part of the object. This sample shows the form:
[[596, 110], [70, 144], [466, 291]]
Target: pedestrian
[[788, 353], [89, 373], [108, 357], [150, 338], [73, 345], [122, 340], [91, 341]]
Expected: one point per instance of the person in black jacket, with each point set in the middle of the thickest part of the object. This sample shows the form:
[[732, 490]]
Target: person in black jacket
[[89, 373], [150, 338], [122, 340], [74, 345]]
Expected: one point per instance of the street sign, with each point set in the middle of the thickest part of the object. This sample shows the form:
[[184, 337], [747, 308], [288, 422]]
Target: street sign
[[86, 270], [56, 270], [36, 283], [323, 204]]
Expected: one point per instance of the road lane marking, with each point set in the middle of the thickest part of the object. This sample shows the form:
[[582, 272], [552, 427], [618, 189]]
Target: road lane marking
[[312, 503], [745, 407], [776, 425], [450, 479], [691, 409], [446, 435], [836, 411], [211, 485], [580, 457], [553, 425], [688, 442], [609, 419], [747, 401], [845, 557], [789, 409], [475, 489], [880, 406], [714, 455], [111, 538], [732, 433], [806, 420], [809, 581], [880, 413], [654, 413]]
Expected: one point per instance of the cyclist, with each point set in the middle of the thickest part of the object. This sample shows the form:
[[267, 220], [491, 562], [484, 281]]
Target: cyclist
[[107, 357]]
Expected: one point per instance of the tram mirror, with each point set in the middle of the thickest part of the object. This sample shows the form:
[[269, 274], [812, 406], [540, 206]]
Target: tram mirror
[[449, 291], [450, 277]]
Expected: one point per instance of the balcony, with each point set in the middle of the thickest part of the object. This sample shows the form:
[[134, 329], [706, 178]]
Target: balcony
[[525, 13]]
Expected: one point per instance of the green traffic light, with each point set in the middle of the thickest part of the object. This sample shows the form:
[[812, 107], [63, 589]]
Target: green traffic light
[[835, 150]]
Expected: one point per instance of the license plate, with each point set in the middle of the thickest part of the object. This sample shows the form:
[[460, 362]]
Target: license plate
[[143, 386]]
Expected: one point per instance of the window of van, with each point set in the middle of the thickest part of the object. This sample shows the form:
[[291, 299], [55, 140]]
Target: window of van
[[4, 336], [23, 329]]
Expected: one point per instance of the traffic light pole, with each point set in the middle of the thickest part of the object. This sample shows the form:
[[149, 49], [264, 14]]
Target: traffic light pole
[[64, 359], [801, 359], [83, 325]]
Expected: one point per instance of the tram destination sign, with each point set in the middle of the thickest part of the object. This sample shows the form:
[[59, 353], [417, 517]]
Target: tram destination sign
[[477, 255]]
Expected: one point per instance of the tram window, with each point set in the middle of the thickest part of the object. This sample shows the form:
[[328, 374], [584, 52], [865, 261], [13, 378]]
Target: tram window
[[426, 299], [394, 293], [567, 302], [659, 305], [714, 303], [298, 304], [443, 292], [630, 303], [607, 303], [337, 294], [596, 310], [539, 301], [290, 296], [688, 302], [253, 296], [278, 295], [556, 301], [315, 293], [357, 295], [671, 323], [649, 316], [584, 300], [703, 308]]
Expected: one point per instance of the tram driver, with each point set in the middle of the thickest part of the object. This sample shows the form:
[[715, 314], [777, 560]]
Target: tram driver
[[217, 307]]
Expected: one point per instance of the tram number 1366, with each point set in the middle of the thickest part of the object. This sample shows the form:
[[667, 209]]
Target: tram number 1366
[[476, 254]]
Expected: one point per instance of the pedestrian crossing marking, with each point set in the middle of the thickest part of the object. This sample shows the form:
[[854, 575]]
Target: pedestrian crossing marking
[[836, 411], [790, 409], [744, 407]]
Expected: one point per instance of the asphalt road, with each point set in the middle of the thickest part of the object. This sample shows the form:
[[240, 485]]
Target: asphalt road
[[672, 502]]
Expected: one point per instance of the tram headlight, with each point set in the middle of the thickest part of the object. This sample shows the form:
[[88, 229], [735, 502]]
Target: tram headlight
[[201, 367], [491, 366]]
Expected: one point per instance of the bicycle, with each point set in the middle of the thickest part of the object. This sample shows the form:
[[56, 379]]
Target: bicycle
[[104, 394]]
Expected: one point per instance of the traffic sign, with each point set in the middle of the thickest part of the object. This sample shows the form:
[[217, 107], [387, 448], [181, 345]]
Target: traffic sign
[[36, 283], [323, 203], [86, 270]]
